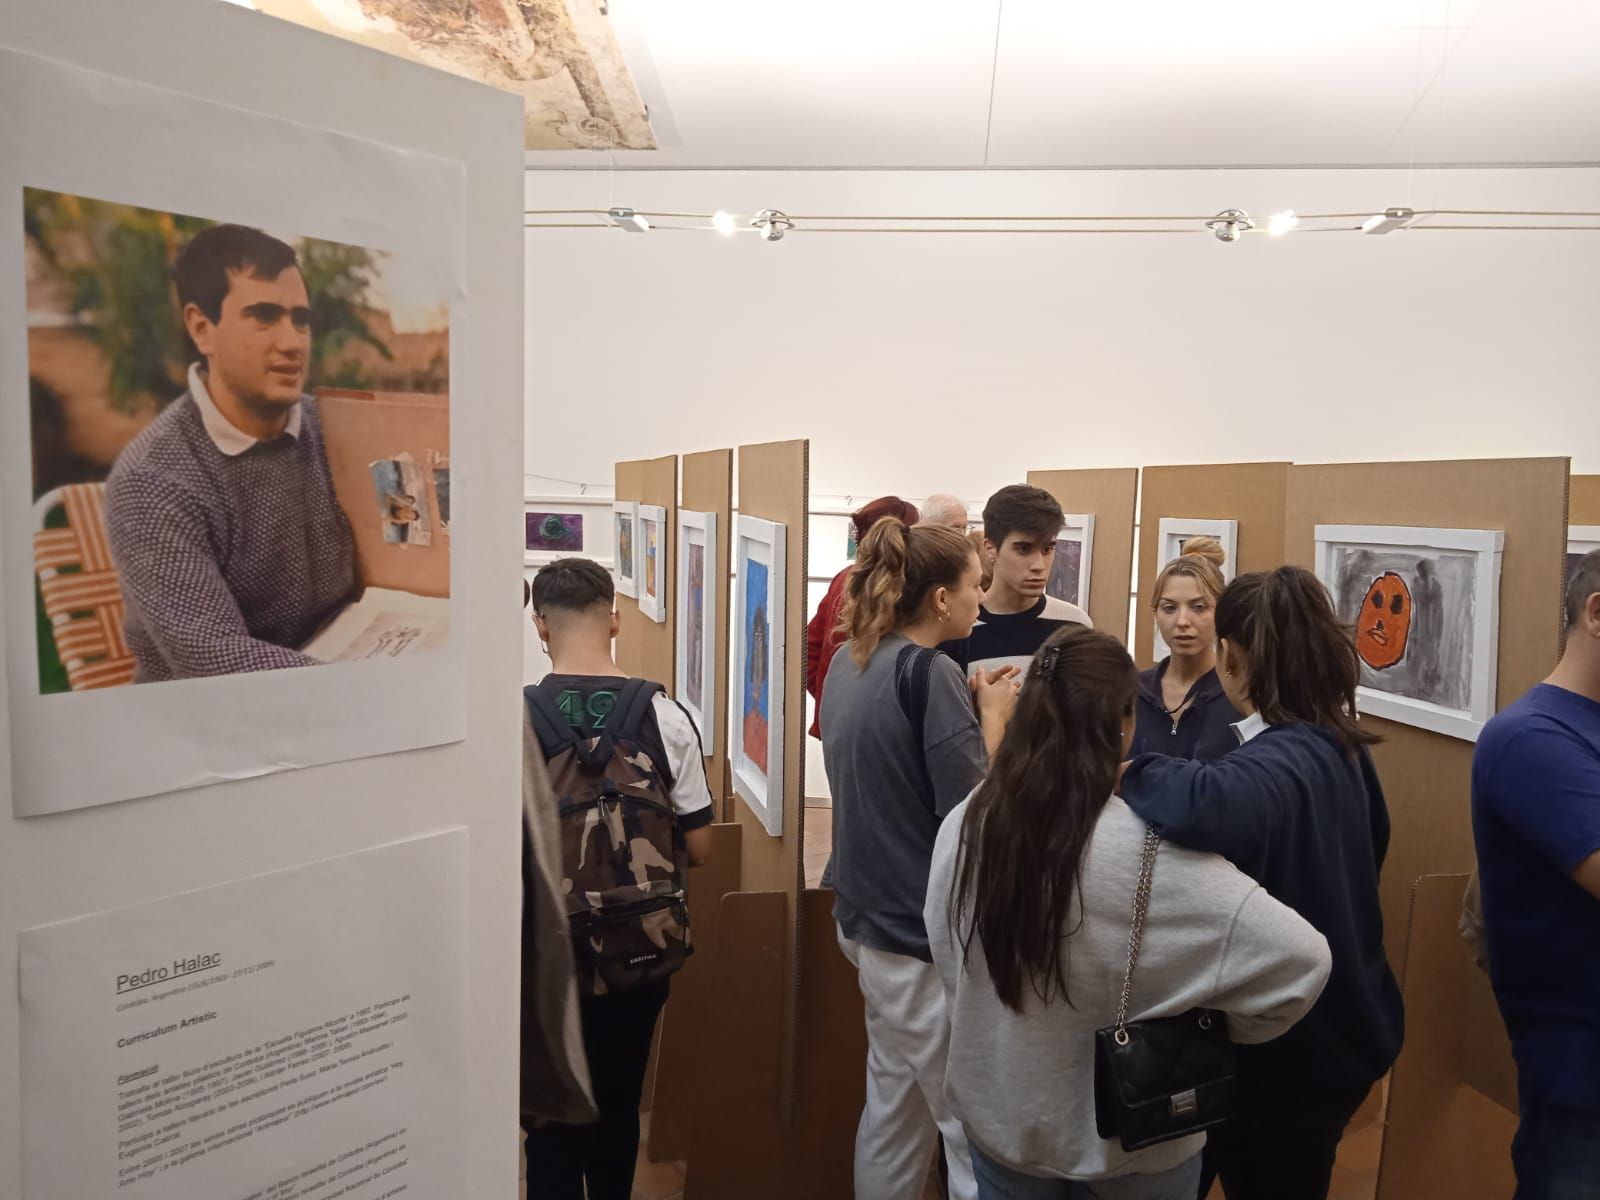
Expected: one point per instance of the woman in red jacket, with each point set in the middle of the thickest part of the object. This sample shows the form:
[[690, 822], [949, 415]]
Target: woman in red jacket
[[823, 635]]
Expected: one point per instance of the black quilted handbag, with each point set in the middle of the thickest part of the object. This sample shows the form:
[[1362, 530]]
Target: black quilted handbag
[[1166, 1077]]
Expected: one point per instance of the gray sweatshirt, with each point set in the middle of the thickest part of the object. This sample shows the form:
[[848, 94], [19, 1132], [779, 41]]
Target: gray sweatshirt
[[1023, 1083], [888, 799]]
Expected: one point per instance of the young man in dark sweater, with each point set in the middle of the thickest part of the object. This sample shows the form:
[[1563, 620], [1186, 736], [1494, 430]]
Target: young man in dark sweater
[[1020, 524], [231, 548]]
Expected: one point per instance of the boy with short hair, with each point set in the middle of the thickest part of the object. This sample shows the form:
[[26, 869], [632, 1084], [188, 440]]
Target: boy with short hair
[[649, 751], [1020, 524]]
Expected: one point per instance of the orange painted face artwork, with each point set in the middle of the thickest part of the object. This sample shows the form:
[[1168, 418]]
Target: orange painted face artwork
[[1385, 622]]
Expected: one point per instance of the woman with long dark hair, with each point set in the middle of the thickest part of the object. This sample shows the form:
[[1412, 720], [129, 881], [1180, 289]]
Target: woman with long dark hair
[[1297, 807], [903, 746], [1028, 911]]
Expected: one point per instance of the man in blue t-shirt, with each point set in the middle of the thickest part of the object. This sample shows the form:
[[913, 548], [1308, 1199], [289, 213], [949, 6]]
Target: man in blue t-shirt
[[1536, 819]]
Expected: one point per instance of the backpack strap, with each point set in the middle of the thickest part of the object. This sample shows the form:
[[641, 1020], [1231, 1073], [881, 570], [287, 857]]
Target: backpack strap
[[913, 667], [555, 735], [635, 722]]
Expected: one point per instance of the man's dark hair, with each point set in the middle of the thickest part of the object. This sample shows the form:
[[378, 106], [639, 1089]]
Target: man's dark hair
[[1022, 509], [571, 585], [1583, 583], [203, 265]]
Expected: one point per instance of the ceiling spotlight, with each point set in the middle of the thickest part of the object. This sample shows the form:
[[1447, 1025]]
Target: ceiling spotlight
[[1230, 224], [627, 219], [723, 223], [1279, 224], [1388, 220], [771, 224]]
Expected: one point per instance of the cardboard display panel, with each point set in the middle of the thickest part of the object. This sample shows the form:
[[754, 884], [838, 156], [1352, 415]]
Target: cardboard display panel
[[774, 484], [708, 487], [830, 1072], [1110, 495], [1445, 1138], [1426, 776], [645, 647], [1584, 504], [1250, 493], [362, 429], [690, 1021], [738, 1136]]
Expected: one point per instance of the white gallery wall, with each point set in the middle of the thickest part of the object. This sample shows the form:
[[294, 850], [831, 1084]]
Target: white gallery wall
[[923, 362], [927, 362], [70, 864]]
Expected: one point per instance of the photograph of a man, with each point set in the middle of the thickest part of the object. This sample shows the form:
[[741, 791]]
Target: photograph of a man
[[231, 548]]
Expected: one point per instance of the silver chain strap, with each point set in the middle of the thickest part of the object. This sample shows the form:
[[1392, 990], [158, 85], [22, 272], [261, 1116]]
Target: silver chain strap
[[1141, 906]]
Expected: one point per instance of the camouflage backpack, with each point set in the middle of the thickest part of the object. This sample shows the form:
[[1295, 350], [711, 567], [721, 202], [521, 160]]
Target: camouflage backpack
[[622, 855]]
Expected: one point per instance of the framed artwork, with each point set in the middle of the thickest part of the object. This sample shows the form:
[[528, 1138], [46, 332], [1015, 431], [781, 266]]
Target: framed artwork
[[1425, 607], [1580, 540], [625, 521], [697, 621], [550, 532], [563, 526], [650, 561], [1173, 532], [756, 720], [1069, 569]]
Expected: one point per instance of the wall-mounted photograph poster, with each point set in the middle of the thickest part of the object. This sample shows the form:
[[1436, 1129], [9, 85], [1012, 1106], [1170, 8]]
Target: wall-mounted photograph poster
[[237, 439]]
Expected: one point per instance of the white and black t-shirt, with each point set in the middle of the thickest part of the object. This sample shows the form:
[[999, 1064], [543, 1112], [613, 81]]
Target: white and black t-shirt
[[1012, 639]]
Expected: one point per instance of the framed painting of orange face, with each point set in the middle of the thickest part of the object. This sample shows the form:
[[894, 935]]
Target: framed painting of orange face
[[1384, 625], [1422, 606]]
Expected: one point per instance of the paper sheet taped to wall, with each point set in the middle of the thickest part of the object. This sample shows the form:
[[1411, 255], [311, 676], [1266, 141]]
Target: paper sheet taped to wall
[[240, 1041], [384, 624]]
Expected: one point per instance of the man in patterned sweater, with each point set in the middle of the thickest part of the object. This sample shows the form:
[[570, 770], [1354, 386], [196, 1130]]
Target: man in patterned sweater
[[231, 547]]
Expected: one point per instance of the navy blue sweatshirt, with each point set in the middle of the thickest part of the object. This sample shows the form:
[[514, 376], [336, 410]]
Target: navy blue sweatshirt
[[1308, 822], [1204, 728]]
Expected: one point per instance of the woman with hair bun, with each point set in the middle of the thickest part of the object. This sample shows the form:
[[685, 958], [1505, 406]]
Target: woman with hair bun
[[1182, 709], [1298, 807], [902, 747]]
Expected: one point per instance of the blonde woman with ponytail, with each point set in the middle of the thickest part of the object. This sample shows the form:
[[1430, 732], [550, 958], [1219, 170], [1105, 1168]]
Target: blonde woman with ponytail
[[903, 745]]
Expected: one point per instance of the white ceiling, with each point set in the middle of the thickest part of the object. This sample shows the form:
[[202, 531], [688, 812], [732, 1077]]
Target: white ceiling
[[1110, 83]]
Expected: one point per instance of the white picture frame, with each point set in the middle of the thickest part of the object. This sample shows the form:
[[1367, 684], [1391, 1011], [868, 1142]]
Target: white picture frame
[[1486, 546], [597, 541], [759, 544], [1172, 532], [1079, 531], [650, 577], [696, 669], [624, 536], [1580, 540]]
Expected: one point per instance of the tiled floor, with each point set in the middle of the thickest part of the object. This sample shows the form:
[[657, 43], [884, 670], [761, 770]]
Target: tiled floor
[[1355, 1176]]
